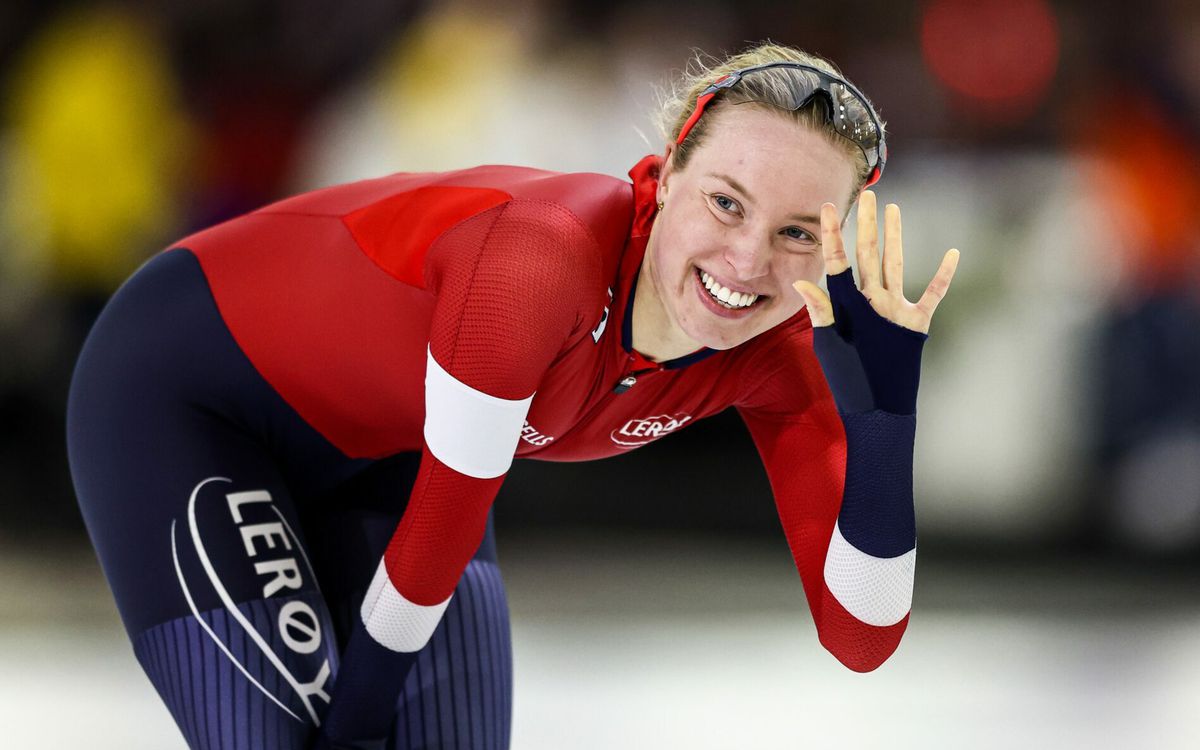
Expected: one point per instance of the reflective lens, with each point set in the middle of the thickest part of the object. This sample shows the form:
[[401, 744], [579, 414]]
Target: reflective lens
[[844, 106]]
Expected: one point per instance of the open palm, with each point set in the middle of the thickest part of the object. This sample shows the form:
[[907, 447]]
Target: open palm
[[884, 290]]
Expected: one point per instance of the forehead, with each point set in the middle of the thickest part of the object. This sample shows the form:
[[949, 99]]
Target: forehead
[[779, 161]]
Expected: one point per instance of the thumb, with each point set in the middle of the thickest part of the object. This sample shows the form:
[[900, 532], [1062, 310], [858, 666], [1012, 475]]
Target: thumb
[[820, 309]]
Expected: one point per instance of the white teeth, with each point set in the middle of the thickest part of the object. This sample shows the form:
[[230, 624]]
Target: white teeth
[[727, 296]]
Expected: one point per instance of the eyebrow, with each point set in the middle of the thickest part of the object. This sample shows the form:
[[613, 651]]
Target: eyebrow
[[802, 218]]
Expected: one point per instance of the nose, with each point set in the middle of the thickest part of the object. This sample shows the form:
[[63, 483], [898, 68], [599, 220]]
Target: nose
[[747, 257]]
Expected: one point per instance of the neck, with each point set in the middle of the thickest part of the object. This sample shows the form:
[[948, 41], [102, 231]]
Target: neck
[[655, 335]]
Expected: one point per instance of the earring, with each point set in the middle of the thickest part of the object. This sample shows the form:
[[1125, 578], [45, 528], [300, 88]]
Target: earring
[[660, 205]]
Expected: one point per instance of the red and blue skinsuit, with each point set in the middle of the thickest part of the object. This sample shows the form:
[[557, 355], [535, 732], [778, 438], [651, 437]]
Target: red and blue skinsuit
[[478, 315]]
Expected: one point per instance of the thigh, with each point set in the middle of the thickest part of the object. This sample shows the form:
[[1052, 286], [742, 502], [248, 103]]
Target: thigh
[[206, 558], [193, 524]]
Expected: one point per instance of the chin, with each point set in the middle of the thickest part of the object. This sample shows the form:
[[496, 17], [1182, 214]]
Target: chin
[[713, 337]]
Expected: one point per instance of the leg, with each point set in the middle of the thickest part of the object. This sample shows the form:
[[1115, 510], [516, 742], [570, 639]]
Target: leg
[[252, 668], [192, 521], [459, 694]]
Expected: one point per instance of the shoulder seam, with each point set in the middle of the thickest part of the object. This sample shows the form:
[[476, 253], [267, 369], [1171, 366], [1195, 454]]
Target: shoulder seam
[[474, 267], [268, 211], [575, 217], [578, 222]]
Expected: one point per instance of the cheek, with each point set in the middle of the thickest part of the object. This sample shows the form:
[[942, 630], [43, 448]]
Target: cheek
[[667, 246], [809, 266], [690, 232], [665, 268], [675, 257], [796, 267]]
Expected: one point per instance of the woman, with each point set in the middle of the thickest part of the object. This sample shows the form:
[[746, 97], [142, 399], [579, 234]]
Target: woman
[[287, 431]]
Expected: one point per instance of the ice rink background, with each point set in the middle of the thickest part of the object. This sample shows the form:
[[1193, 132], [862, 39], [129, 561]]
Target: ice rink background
[[1057, 144], [712, 650]]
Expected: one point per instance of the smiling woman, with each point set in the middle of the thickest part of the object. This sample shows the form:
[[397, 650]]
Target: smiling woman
[[781, 134], [742, 218], [302, 415]]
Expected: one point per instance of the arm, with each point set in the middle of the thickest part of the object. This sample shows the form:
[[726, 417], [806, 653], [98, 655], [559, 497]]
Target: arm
[[509, 288], [842, 471], [843, 490]]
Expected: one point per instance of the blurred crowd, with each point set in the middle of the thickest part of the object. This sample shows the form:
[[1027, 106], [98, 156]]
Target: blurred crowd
[[1056, 143]]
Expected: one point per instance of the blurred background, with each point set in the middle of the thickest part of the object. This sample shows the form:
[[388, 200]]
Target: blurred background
[[654, 600]]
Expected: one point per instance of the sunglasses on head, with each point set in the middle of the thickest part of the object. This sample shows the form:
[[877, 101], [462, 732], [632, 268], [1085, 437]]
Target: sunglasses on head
[[851, 115]]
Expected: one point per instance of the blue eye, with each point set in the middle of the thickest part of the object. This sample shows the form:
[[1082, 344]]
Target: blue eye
[[796, 233], [725, 203]]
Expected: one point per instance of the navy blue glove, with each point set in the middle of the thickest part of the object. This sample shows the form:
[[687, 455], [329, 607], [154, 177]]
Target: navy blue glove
[[870, 362], [873, 367]]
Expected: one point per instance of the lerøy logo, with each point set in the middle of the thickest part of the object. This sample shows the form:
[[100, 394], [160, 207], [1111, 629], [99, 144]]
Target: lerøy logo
[[637, 432], [298, 625]]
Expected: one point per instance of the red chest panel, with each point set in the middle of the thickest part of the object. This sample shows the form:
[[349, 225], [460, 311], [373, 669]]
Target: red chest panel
[[397, 232]]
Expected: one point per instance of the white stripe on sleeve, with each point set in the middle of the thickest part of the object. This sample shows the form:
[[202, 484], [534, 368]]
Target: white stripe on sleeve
[[395, 622], [468, 430], [876, 590]]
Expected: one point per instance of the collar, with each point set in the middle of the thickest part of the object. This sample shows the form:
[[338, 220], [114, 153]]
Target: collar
[[644, 175]]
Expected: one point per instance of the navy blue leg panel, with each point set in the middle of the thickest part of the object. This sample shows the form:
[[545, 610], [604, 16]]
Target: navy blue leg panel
[[459, 693], [197, 484], [192, 520], [220, 686]]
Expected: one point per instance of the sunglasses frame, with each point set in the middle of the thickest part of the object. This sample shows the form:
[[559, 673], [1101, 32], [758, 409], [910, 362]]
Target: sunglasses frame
[[876, 156]]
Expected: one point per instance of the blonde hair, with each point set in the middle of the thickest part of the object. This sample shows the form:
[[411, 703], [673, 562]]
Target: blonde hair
[[772, 87]]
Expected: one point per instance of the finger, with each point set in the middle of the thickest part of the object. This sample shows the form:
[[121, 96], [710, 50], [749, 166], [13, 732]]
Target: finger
[[868, 241], [938, 287], [893, 250], [831, 241], [820, 309]]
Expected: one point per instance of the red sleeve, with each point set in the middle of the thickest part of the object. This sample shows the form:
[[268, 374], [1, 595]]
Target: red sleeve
[[795, 425], [511, 284]]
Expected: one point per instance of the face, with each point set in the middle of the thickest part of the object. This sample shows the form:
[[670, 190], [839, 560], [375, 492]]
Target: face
[[740, 224]]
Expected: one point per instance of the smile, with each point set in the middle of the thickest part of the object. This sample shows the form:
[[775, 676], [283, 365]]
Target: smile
[[724, 296]]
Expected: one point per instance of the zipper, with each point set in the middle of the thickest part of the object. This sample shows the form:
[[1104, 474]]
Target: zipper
[[627, 381], [630, 380]]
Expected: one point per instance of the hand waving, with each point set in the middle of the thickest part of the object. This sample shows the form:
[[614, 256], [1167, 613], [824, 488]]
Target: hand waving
[[885, 292]]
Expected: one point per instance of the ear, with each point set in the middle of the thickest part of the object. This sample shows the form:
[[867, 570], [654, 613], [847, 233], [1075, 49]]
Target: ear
[[664, 175]]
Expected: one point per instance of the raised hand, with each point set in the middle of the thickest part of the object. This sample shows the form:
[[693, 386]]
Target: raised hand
[[885, 290]]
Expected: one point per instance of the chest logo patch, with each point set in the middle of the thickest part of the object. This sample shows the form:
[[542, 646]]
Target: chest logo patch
[[637, 432]]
